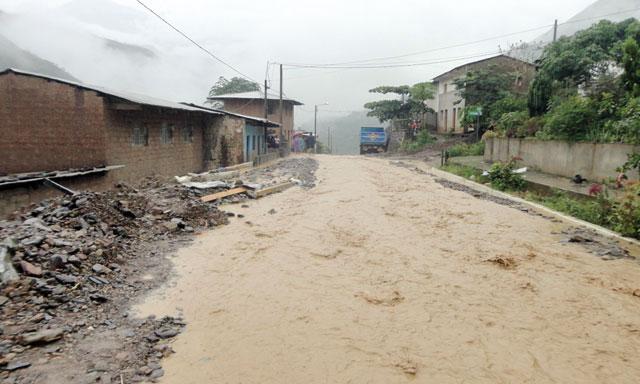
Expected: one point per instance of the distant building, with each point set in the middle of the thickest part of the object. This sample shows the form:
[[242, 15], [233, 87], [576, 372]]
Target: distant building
[[448, 105], [57, 127], [252, 103]]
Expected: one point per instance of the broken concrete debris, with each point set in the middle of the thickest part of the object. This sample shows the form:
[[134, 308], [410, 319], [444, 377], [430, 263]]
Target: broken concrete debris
[[236, 185]]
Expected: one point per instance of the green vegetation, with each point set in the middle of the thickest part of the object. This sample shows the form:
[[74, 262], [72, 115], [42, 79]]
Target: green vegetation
[[587, 88], [410, 105], [236, 85], [464, 149], [503, 178], [422, 140], [467, 172], [587, 209], [618, 214], [491, 90]]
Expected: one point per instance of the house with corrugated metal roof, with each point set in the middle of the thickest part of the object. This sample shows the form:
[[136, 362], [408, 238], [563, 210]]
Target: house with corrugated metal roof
[[253, 103], [94, 137]]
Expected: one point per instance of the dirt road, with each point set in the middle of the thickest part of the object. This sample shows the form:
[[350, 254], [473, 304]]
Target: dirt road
[[381, 275]]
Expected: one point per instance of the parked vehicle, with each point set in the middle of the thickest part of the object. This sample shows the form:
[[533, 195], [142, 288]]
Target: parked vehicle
[[373, 140]]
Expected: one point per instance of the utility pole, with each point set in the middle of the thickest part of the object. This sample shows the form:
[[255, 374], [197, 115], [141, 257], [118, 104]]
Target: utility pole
[[315, 129], [555, 31], [266, 115], [283, 139]]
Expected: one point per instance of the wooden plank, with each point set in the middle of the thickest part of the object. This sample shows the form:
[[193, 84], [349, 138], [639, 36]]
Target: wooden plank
[[59, 187], [221, 195], [270, 190], [238, 167]]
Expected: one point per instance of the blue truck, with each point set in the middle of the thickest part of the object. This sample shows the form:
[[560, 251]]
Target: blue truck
[[373, 140]]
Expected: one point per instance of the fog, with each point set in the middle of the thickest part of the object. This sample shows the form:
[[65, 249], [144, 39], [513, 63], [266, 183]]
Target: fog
[[120, 45]]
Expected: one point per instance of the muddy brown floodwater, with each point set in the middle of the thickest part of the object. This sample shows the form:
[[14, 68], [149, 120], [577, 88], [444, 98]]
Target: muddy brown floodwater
[[381, 275]]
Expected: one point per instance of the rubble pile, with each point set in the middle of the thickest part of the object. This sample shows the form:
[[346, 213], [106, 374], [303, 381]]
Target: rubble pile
[[299, 170], [64, 258], [70, 266]]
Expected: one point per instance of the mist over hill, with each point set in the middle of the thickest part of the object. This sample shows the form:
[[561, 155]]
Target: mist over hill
[[12, 56], [105, 43]]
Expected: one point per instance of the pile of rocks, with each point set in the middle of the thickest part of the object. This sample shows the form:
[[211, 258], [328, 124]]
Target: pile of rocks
[[63, 259]]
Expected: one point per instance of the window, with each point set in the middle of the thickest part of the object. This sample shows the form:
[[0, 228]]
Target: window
[[140, 135], [166, 133], [187, 134], [445, 87], [271, 107], [253, 144]]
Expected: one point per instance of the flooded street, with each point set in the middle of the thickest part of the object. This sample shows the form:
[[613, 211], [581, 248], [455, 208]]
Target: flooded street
[[382, 275]]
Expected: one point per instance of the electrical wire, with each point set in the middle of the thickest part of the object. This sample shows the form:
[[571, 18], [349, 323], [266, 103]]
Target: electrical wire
[[208, 52], [340, 64]]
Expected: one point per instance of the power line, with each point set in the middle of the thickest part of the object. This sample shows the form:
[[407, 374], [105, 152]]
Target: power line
[[397, 65], [208, 52], [338, 65]]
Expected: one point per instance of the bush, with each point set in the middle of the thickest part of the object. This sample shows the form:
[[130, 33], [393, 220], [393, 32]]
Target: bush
[[626, 217], [569, 119], [422, 140], [510, 123], [502, 177], [464, 149]]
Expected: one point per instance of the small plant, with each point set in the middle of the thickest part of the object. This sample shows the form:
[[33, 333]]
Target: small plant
[[422, 140], [463, 149], [502, 176], [627, 212], [464, 171]]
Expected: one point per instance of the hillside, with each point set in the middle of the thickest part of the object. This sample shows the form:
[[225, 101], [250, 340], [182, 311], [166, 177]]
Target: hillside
[[615, 10]]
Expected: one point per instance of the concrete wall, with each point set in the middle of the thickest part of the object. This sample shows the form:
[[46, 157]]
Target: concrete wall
[[594, 162], [48, 126]]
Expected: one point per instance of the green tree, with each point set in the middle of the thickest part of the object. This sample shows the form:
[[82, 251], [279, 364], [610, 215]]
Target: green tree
[[412, 101], [579, 60], [490, 89], [631, 64], [236, 85]]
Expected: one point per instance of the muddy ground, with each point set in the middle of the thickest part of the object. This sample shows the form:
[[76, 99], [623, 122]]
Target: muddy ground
[[83, 261], [383, 273]]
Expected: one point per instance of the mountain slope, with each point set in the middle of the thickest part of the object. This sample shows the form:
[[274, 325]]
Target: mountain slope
[[11, 56]]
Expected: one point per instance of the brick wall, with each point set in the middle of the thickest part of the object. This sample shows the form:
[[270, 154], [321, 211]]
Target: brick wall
[[47, 126], [156, 158], [256, 108]]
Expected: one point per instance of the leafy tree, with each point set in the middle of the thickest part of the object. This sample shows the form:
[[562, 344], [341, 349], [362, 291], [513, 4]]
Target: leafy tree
[[236, 85], [579, 60], [631, 64], [412, 103], [490, 89]]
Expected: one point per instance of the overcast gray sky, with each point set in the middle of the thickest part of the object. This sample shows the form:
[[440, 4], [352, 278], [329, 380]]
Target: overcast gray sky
[[250, 33]]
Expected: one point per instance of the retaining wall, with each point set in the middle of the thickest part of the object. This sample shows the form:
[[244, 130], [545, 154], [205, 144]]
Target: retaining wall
[[592, 161]]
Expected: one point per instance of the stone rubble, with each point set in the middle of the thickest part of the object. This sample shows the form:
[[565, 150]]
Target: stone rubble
[[70, 266]]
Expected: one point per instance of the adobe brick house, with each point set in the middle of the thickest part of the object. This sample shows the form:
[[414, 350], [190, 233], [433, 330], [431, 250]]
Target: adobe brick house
[[50, 124], [252, 104], [448, 110]]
